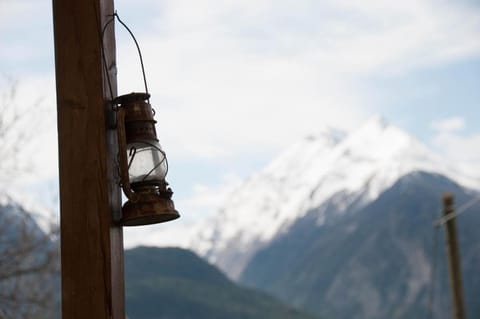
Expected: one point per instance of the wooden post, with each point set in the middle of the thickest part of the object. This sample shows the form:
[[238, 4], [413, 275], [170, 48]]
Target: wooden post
[[91, 245], [453, 253]]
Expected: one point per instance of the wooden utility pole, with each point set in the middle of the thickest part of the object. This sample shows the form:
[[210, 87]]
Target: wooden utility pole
[[91, 245], [453, 253]]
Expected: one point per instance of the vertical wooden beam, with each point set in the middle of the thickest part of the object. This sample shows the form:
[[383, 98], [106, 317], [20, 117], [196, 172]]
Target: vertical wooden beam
[[91, 245], [453, 254]]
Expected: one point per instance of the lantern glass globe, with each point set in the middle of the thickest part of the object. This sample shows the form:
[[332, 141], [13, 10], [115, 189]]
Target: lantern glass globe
[[147, 163]]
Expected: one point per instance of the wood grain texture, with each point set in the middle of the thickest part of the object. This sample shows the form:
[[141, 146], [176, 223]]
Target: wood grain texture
[[91, 245]]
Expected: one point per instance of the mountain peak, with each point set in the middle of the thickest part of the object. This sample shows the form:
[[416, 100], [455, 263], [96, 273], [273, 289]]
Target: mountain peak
[[304, 153], [377, 126], [378, 140], [323, 168], [327, 134], [377, 121]]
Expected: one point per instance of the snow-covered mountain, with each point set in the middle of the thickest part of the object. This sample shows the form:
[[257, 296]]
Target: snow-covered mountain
[[329, 166], [376, 261], [29, 261]]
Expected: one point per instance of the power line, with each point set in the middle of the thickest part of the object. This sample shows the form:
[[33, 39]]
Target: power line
[[437, 223], [442, 220]]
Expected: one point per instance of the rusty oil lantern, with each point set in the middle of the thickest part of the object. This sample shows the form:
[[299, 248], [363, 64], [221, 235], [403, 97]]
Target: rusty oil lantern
[[142, 162]]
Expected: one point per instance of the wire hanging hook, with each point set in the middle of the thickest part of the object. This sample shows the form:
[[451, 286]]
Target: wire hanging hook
[[112, 19], [105, 58], [138, 49]]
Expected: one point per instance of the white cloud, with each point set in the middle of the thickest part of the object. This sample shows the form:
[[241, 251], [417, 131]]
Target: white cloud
[[237, 76], [452, 124], [459, 148], [26, 35], [35, 129], [335, 35], [207, 199]]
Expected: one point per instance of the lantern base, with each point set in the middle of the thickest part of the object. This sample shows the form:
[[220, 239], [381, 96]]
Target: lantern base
[[148, 209]]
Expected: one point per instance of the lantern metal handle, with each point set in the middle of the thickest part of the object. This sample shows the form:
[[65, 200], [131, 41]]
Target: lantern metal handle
[[122, 150], [113, 16]]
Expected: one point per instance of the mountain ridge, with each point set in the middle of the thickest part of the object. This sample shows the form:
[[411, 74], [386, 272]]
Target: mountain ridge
[[374, 263], [356, 167], [163, 283]]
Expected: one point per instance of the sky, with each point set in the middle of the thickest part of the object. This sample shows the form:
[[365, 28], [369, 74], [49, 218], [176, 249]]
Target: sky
[[235, 82]]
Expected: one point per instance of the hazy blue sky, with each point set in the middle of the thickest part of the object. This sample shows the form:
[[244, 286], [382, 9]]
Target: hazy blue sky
[[235, 82]]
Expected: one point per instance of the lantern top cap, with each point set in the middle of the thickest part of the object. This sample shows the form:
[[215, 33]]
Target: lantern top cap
[[131, 98]]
